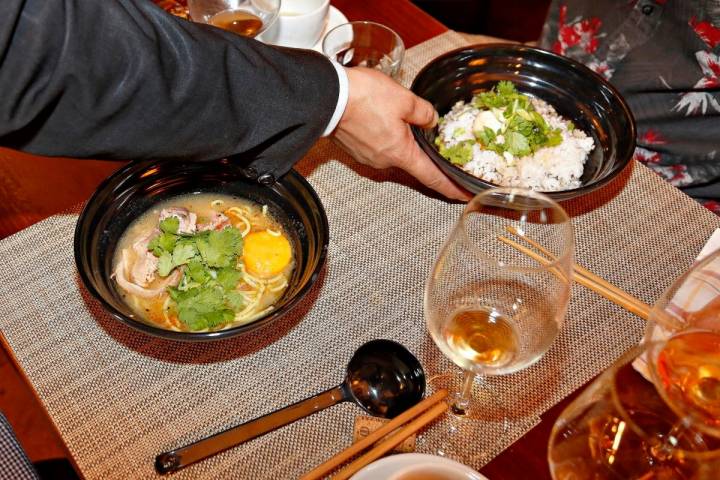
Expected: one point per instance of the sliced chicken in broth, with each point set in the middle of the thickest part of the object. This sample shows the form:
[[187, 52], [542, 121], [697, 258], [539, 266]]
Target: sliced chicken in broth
[[203, 262]]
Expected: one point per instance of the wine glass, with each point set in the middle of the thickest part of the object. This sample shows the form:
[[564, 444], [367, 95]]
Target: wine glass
[[248, 18], [692, 301], [684, 364], [489, 307], [620, 427]]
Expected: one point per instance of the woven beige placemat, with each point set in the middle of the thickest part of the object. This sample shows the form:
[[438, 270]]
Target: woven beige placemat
[[119, 397]]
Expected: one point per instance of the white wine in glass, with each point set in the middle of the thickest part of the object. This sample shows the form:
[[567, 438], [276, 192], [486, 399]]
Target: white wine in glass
[[687, 375], [489, 307]]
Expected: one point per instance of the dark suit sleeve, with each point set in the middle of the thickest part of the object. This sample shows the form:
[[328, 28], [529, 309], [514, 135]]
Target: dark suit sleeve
[[123, 79]]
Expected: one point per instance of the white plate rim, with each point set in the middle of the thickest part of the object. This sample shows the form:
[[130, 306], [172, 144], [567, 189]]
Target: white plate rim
[[389, 465]]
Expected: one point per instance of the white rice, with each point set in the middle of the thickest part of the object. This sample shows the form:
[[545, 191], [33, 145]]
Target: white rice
[[548, 169]]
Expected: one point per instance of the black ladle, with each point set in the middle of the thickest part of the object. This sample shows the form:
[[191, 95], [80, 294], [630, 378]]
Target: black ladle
[[383, 377]]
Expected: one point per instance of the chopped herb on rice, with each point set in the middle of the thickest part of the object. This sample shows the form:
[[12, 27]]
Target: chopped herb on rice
[[508, 138]]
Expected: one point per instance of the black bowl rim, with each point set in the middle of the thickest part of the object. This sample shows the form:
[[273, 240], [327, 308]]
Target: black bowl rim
[[198, 336], [557, 194]]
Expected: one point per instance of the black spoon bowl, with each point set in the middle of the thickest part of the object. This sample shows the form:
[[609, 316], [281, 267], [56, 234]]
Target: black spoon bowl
[[382, 377]]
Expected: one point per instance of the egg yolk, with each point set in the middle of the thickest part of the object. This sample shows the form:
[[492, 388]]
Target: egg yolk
[[265, 254]]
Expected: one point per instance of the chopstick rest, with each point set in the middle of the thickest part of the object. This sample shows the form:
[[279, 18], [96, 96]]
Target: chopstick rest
[[388, 444], [365, 425]]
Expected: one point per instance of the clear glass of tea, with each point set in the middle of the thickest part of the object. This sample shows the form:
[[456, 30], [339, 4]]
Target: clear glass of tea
[[365, 44], [248, 18]]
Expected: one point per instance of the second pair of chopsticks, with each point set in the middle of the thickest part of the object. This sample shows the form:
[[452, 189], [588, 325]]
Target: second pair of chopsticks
[[582, 276], [418, 416]]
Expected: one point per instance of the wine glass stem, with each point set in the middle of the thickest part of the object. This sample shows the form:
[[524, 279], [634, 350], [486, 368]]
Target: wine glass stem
[[462, 400]]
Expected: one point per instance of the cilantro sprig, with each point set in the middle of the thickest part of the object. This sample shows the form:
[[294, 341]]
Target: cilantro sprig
[[459, 154], [206, 295], [524, 130], [502, 95]]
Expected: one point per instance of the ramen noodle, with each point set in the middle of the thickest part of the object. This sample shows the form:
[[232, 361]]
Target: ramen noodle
[[204, 262]]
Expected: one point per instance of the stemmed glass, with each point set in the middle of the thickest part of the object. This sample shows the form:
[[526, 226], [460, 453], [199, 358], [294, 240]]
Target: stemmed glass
[[489, 307], [685, 363], [621, 427], [691, 302], [656, 412]]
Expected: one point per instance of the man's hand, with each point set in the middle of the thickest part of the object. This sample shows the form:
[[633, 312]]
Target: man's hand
[[375, 129]]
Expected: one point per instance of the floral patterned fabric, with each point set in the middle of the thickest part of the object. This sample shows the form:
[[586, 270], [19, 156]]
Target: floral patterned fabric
[[664, 57]]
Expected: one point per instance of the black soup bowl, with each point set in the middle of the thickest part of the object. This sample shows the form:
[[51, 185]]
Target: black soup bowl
[[134, 189], [576, 93]]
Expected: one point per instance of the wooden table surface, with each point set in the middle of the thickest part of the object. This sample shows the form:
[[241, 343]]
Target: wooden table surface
[[33, 188]]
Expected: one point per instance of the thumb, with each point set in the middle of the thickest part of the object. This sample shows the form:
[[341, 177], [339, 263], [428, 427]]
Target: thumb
[[422, 113]]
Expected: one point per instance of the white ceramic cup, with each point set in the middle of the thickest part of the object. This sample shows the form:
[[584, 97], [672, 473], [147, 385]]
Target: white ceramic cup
[[299, 24]]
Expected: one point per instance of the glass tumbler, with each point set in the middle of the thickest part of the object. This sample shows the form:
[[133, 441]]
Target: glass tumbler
[[248, 18], [365, 44]]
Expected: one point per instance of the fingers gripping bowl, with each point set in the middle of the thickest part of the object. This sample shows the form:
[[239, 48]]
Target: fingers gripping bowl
[[575, 92], [137, 190]]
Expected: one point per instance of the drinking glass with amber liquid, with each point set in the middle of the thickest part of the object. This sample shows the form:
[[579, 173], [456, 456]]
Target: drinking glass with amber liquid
[[248, 18], [685, 323], [489, 306], [623, 426], [656, 413]]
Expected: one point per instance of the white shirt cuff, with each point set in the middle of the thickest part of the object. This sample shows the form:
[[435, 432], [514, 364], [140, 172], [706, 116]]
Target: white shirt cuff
[[343, 94]]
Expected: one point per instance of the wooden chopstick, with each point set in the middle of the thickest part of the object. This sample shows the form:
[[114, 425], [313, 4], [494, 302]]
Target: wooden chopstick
[[396, 439], [588, 279], [602, 284], [605, 289], [360, 445]]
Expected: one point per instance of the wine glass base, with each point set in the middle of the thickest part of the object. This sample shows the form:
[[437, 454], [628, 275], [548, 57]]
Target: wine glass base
[[480, 421], [482, 405]]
